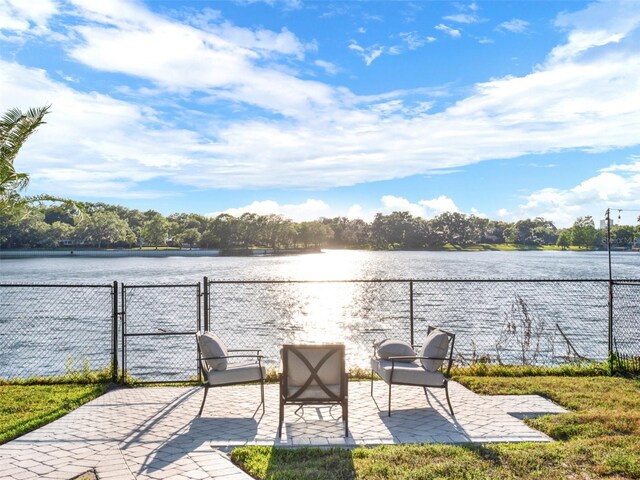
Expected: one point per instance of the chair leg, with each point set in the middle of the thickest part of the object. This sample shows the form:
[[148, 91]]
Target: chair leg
[[372, 382], [204, 398], [389, 399], [281, 419], [446, 391], [262, 393], [345, 418]]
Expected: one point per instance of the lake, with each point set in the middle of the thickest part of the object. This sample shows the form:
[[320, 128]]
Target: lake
[[73, 324], [329, 265]]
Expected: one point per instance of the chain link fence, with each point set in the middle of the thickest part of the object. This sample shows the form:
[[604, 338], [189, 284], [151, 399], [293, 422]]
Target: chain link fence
[[500, 321], [159, 323], [269, 314], [626, 326], [53, 330], [517, 322], [50, 330]]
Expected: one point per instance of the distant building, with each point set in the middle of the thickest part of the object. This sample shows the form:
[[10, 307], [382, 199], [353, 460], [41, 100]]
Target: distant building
[[603, 223]]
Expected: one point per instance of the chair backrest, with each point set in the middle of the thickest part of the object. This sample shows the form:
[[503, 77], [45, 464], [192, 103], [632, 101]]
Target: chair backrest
[[449, 357], [313, 372]]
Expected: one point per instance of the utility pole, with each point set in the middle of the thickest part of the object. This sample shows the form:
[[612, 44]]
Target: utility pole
[[610, 329]]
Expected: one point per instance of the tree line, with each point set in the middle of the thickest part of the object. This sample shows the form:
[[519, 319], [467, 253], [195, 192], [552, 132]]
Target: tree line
[[101, 225]]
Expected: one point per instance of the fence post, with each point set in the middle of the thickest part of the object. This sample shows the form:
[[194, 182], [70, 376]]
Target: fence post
[[123, 317], [205, 306], [114, 358], [411, 309], [198, 328], [610, 329]]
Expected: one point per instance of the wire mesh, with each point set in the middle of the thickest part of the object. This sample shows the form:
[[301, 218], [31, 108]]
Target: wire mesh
[[159, 326], [517, 322], [503, 321], [626, 325], [267, 315], [52, 330]]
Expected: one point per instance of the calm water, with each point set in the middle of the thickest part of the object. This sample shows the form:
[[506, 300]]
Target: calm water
[[42, 329], [329, 265]]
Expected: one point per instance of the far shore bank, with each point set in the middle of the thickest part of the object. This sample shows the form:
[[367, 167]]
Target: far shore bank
[[115, 253]]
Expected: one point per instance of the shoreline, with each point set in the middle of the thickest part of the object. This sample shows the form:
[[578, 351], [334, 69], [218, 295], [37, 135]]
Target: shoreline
[[258, 252], [120, 253]]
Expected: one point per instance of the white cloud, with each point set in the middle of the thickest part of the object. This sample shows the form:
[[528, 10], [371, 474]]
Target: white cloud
[[325, 136], [590, 197], [19, 18], [452, 32], [309, 210], [504, 214], [286, 4], [463, 18], [600, 24], [328, 67], [356, 211], [415, 40], [91, 144], [222, 61], [515, 25], [440, 205], [423, 208], [369, 54]]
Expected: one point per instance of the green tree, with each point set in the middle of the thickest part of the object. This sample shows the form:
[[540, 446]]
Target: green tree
[[584, 233], [456, 228], [191, 236], [60, 231], [155, 231], [209, 239], [564, 239], [106, 228], [15, 128], [314, 233], [622, 235]]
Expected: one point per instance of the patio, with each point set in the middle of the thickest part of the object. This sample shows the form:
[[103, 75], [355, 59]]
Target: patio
[[153, 433]]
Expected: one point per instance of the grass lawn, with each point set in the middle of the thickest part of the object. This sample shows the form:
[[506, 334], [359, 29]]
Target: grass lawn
[[600, 438], [26, 407]]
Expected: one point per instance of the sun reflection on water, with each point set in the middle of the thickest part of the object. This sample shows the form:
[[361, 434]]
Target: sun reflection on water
[[323, 313]]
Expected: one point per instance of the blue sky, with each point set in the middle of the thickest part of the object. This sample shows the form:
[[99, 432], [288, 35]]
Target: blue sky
[[316, 108]]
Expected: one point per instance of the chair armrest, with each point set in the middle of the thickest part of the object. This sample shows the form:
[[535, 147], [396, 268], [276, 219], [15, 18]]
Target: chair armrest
[[429, 358], [244, 350], [404, 357], [258, 357]]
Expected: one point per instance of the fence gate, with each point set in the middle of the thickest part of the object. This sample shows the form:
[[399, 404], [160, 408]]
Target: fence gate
[[159, 323]]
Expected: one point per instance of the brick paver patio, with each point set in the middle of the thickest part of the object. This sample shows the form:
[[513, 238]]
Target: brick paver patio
[[154, 433]]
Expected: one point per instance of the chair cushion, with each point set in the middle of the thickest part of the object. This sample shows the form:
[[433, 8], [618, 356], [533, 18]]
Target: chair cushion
[[237, 373], [407, 373], [435, 345], [392, 347], [212, 346]]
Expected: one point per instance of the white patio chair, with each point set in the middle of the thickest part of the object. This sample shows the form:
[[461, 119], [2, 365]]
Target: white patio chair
[[217, 371], [427, 367]]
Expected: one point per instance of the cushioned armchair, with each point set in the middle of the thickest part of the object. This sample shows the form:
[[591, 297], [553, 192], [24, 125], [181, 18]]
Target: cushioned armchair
[[217, 371], [314, 375], [398, 363]]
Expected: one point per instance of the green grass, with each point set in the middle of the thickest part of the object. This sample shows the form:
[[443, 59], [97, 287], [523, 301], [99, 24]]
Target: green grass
[[507, 247], [26, 407], [598, 439]]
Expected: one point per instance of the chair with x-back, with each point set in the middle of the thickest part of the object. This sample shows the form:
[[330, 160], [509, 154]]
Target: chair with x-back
[[313, 375]]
